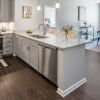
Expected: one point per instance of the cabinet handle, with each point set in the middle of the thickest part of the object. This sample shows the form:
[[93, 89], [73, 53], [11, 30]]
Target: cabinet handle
[[47, 46], [8, 41], [7, 45], [7, 51]]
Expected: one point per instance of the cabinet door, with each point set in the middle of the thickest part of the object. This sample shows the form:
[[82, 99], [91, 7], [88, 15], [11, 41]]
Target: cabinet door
[[25, 52], [18, 48], [7, 44], [12, 10], [33, 57], [5, 10]]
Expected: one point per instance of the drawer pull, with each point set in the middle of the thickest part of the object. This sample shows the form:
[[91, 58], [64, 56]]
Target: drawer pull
[[7, 51], [7, 46], [7, 41]]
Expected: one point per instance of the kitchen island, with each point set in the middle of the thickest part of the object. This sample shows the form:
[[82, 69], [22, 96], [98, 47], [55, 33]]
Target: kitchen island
[[71, 64], [71, 69]]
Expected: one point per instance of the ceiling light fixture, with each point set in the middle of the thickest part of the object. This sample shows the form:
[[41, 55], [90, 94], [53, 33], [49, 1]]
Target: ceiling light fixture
[[38, 6], [57, 4]]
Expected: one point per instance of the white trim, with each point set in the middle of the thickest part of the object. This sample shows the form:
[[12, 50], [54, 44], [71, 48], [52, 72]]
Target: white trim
[[14, 54], [3, 63], [71, 88]]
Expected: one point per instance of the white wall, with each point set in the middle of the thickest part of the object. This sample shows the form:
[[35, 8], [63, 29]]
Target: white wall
[[37, 16], [21, 23], [68, 12], [50, 12]]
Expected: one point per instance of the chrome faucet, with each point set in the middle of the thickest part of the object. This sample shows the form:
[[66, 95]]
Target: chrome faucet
[[45, 29]]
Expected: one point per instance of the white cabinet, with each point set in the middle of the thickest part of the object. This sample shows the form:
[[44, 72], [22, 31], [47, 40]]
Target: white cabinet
[[7, 44], [18, 46], [12, 10], [27, 50], [33, 57], [30, 55], [5, 10]]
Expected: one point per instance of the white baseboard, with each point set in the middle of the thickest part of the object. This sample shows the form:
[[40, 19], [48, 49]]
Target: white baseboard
[[14, 55], [71, 88]]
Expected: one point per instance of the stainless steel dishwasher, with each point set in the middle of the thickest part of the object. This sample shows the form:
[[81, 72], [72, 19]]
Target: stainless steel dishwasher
[[48, 62]]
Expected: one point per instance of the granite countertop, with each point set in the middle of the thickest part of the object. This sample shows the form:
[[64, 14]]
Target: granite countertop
[[55, 40]]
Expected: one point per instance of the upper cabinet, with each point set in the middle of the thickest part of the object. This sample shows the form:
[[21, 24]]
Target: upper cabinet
[[6, 12]]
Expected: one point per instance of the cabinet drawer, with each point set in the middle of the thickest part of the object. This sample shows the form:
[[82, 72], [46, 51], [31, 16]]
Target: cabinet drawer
[[6, 45], [7, 40], [31, 42], [6, 36], [7, 51], [18, 38]]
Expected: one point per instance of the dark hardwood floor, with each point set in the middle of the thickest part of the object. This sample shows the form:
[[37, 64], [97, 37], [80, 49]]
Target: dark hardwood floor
[[20, 82]]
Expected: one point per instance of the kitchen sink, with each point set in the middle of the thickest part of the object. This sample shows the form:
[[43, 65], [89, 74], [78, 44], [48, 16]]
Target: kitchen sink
[[38, 36]]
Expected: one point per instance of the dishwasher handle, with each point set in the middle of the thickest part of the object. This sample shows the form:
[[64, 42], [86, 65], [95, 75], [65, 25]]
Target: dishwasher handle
[[47, 46]]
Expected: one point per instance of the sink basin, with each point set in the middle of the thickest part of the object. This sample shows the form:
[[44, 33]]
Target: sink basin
[[38, 36]]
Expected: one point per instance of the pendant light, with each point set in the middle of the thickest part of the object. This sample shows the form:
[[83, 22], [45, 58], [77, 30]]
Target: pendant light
[[38, 6], [57, 4]]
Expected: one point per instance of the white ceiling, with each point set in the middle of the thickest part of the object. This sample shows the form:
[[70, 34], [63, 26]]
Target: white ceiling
[[96, 1]]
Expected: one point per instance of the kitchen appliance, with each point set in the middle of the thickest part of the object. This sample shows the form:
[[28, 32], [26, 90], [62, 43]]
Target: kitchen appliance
[[1, 42], [48, 62]]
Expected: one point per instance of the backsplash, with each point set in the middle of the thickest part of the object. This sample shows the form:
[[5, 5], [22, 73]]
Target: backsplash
[[8, 25]]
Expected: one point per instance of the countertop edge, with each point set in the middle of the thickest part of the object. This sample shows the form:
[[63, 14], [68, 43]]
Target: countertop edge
[[62, 48]]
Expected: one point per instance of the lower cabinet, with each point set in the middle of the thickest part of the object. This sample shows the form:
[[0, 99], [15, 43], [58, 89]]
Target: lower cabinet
[[27, 51], [19, 48], [33, 57], [7, 44]]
